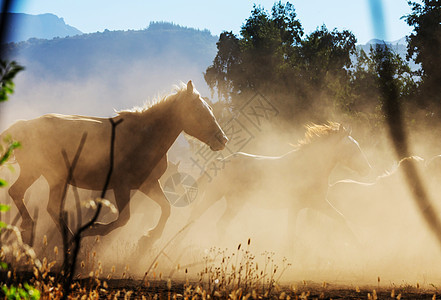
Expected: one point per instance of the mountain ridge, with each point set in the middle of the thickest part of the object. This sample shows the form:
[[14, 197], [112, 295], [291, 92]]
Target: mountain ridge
[[401, 41], [44, 26], [97, 73]]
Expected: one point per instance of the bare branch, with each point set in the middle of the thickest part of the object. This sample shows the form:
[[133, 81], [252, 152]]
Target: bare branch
[[71, 257], [163, 248]]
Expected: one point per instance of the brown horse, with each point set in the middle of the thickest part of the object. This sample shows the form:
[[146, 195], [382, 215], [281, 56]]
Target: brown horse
[[296, 180], [142, 141]]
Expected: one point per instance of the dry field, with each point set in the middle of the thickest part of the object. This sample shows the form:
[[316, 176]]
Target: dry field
[[220, 274]]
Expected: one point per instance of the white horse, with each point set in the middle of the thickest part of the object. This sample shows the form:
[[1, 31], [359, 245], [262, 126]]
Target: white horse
[[296, 180], [385, 202], [142, 141]]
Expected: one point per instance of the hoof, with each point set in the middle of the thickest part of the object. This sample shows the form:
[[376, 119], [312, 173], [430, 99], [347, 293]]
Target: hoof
[[145, 243]]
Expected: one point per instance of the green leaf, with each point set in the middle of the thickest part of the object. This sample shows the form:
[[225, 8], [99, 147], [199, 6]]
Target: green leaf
[[3, 265], [3, 183], [33, 293], [8, 70], [4, 207]]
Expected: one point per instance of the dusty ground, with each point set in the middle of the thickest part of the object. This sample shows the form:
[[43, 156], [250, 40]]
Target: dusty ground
[[299, 290], [162, 289]]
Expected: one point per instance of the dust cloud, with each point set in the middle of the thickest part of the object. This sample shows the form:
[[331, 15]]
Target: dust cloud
[[383, 233]]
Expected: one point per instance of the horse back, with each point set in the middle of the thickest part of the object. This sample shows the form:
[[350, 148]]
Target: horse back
[[44, 140]]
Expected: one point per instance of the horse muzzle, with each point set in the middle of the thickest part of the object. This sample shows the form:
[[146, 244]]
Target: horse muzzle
[[219, 143], [365, 170]]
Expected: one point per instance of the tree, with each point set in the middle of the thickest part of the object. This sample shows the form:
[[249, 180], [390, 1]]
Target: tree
[[225, 70], [256, 58], [424, 45], [323, 61], [365, 80], [272, 57]]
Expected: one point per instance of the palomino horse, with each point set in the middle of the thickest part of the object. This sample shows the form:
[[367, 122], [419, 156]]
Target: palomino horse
[[386, 201], [296, 180], [142, 141]]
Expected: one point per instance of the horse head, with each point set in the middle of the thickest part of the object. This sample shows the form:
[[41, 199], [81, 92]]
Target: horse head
[[350, 154], [199, 121]]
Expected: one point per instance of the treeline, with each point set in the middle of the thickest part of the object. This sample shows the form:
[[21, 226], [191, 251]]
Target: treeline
[[323, 75]]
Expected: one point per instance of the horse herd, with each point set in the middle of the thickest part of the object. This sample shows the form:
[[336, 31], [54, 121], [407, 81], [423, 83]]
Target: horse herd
[[142, 140]]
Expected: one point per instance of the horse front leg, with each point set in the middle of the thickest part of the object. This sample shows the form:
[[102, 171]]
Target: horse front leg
[[54, 206], [205, 199], [292, 239], [17, 192], [328, 209], [122, 198], [234, 205], [155, 192]]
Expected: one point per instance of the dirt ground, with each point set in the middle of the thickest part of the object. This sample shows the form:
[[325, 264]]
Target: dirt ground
[[300, 290], [94, 288]]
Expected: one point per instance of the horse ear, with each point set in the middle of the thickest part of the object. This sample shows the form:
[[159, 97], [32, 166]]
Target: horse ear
[[190, 87], [344, 129]]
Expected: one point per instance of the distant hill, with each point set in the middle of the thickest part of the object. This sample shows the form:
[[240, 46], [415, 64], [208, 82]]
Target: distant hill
[[401, 41], [92, 74], [45, 26], [398, 46]]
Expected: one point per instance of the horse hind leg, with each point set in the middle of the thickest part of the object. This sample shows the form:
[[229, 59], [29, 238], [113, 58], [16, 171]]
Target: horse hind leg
[[234, 206], [54, 206], [205, 200], [17, 192], [155, 192]]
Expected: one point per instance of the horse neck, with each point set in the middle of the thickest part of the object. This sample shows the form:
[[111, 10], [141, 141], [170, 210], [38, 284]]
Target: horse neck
[[316, 158], [163, 124]]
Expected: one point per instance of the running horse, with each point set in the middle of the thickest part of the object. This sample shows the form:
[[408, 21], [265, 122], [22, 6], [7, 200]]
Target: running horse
[[141, 144], [293, 181]]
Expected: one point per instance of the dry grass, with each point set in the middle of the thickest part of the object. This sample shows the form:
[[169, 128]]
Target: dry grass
[[239, 274]]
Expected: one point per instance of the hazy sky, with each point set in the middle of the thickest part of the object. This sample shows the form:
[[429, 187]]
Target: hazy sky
[[217, 16]]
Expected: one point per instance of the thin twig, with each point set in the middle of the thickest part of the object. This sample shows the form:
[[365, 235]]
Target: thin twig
[[76, 241], [63, 214], [77, 203], [71, 178], [71, 168], [163, 248]]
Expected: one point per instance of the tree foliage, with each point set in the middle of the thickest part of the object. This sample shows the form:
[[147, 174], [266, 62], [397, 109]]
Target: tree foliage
[[257, 57], [273, 56], [321, 74], [424, 45], [365, 81], [8, 70]]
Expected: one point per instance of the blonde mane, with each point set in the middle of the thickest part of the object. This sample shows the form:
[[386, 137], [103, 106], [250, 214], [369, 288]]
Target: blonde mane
[[316, 132], [157, 103], [419, 161]]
